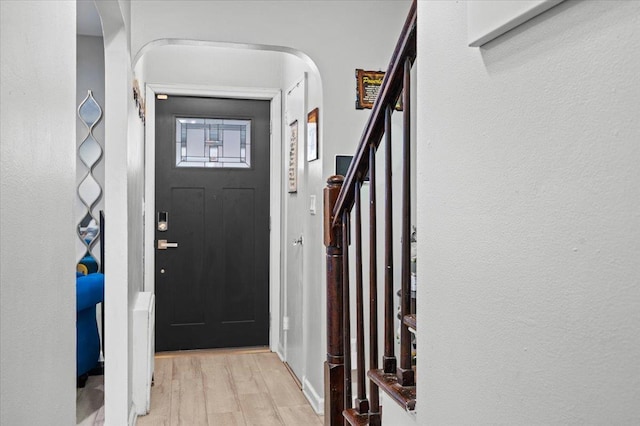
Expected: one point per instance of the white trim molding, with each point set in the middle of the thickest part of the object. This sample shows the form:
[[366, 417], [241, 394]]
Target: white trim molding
[[489, 19], [312, 395], [133, 417]]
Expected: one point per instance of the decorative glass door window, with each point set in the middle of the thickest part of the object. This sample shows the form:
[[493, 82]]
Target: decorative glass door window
[[213, 142]]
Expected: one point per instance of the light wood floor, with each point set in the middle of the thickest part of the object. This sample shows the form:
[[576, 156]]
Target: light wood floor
[[90, 403], [226, 387]]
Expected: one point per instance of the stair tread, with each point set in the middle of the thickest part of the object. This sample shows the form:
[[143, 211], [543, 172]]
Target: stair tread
[[354, 418], [403, 395], [410, 321]]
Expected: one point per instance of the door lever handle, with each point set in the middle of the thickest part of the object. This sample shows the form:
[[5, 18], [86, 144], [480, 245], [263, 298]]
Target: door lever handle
[[298, 241], [163, 245]]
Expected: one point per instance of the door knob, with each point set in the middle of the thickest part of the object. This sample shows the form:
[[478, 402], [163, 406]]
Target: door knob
[[163, 245]]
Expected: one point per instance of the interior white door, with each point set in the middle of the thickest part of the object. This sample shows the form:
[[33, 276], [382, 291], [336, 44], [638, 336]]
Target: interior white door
[[295, 122]]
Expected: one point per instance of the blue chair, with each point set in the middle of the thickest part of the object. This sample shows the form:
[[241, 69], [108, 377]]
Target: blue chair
[[87, 265], [89, 292]]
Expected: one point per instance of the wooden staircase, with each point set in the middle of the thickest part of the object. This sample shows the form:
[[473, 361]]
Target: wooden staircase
[[343, 236]]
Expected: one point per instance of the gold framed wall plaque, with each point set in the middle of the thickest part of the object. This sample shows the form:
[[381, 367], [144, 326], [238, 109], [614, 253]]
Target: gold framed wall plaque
[[367, 87]]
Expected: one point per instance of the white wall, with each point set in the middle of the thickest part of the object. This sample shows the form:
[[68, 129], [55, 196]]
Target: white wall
[[208, 65], [331, 34], [37, 183], [529, 218]]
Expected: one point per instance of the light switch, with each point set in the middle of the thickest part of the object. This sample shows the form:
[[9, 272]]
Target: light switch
[[312, 204]]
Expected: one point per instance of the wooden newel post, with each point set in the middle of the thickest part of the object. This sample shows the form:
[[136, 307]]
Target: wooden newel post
[[334, 366]]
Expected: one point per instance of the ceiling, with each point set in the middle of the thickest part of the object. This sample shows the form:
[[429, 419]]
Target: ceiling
[[88, 22]]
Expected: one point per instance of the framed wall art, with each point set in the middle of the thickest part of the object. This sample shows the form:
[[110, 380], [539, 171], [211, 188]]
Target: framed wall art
[[293, 157], [313, 125], [368, 85]]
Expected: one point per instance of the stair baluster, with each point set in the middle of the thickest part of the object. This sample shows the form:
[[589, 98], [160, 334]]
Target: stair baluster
[[343, 201]]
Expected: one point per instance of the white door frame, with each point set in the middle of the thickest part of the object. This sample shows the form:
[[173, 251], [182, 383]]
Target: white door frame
[[275, 181], [302, 193]]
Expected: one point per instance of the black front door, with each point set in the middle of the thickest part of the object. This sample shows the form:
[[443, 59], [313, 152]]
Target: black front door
[[212, 224]]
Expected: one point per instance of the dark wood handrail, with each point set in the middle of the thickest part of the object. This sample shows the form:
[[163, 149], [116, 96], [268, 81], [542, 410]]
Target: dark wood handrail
[[343, 214], [388, 95]]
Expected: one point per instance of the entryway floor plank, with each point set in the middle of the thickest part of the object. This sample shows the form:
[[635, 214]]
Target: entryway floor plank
[[225, 387]]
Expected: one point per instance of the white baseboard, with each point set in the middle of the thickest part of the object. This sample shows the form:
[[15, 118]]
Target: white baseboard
[[133, 417], [280, 352], [314, 398]]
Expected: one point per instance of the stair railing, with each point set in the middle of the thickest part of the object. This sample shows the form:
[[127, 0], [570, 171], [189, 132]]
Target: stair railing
[[342, 206]]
